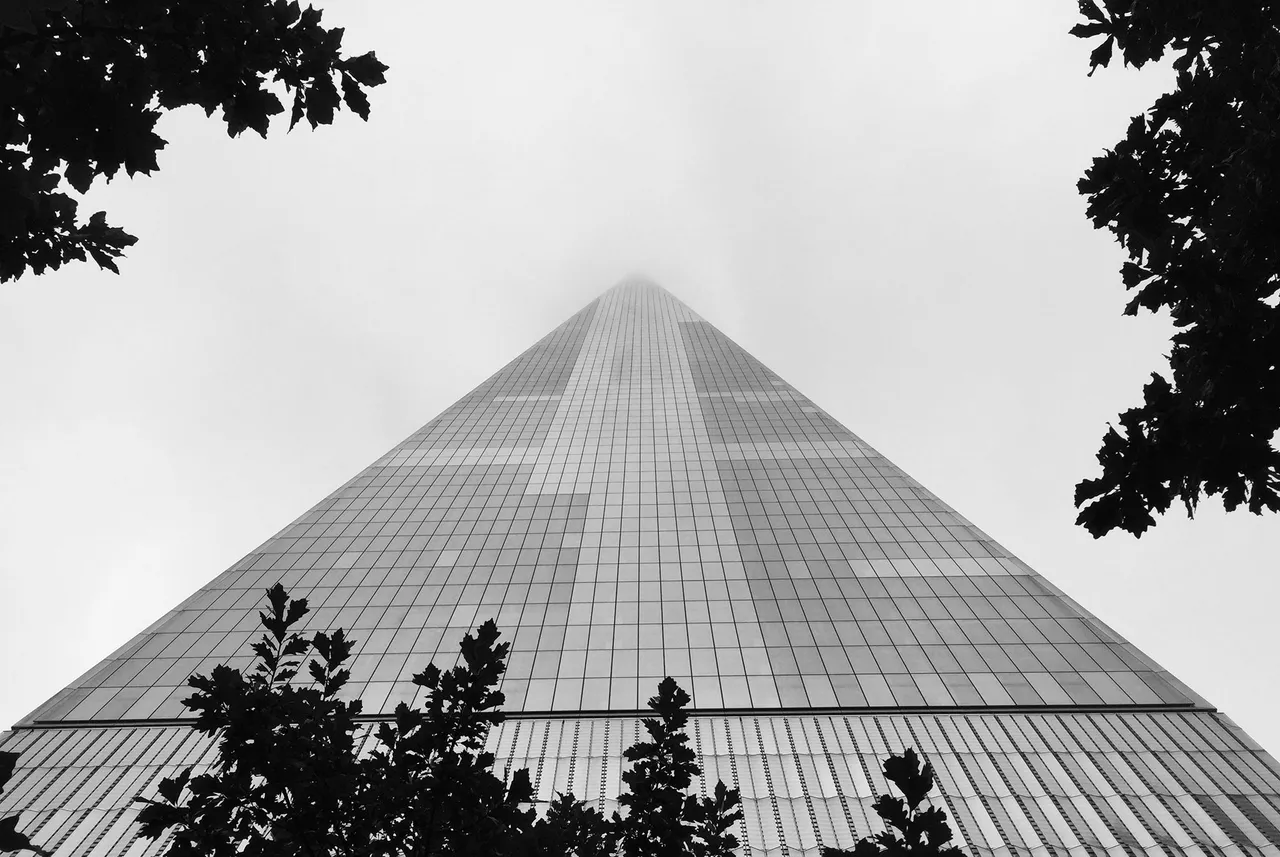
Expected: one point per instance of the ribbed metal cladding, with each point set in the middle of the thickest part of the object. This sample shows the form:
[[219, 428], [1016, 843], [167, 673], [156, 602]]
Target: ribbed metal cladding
[[1156, 783]]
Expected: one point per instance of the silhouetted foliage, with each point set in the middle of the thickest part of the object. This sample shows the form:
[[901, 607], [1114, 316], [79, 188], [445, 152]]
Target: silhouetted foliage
[[662, 818], [910, 831], [10, 838], [572, 827], [290, 777], [83, 83], [1192, 193]]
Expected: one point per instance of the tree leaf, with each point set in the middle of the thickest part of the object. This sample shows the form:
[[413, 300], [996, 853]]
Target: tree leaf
[[1090, 10], [1101, 55], [355, 98], [79, 175], [366, 69]]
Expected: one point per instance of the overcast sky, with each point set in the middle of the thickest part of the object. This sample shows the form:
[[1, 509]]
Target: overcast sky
[[876, 200]]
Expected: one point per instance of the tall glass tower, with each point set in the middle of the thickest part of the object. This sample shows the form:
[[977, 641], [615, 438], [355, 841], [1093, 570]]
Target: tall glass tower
[[636, 496]]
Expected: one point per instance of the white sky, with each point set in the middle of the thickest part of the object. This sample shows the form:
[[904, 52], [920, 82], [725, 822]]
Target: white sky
[[877, 200]]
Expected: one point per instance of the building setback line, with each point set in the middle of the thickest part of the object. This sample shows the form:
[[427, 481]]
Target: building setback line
[[598, 714]]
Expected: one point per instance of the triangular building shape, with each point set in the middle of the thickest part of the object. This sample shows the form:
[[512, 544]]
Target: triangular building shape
[[636, 496]]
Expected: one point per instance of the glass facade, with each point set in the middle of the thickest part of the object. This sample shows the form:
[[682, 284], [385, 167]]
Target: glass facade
[[636, 496]]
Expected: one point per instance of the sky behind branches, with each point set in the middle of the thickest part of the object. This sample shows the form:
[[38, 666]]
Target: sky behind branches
[[876, 200]]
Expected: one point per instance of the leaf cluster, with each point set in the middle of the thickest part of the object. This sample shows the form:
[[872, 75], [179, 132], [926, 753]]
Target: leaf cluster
[[83, 84], [911, 831], [287, 780], [292, 780], [1192, 194], [662, 818]]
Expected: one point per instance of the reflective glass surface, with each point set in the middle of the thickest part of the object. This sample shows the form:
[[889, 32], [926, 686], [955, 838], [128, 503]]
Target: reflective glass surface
[[637, 496]]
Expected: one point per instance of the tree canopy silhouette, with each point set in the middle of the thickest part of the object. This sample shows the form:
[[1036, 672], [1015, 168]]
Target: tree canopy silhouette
[[662, 818], [1192, 193], [291, 778], [297, 774], [909, 830], [82, 85]]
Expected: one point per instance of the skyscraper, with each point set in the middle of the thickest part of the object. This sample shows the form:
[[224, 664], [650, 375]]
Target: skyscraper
[[636, 496]]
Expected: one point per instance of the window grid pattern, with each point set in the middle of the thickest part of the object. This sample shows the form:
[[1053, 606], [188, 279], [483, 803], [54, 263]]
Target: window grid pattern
[[636, 496]]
